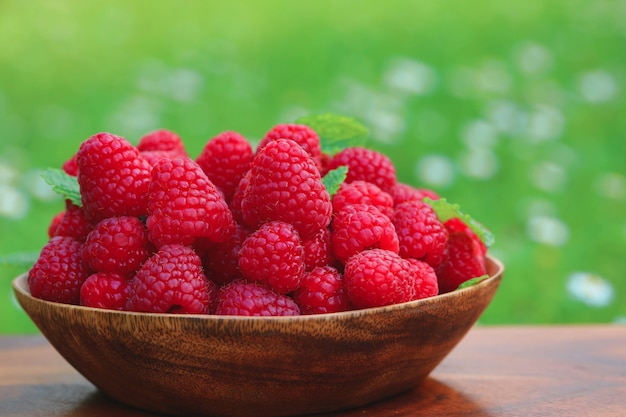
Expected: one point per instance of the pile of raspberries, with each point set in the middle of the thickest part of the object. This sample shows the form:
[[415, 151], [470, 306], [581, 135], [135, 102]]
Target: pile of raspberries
[[243, 231]]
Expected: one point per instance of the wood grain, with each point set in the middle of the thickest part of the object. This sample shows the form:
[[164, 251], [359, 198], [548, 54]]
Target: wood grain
[[494, 371]]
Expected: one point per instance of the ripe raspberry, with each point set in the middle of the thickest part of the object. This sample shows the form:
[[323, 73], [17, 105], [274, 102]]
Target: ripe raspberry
[[317, 250], [366, 165], [465, 257], [422, 236], [274, 256], [105, 290], [117, 244], [363, 192], [170, 281], [113, 177], [401, 193], [378, 277], [322, 291], [74, 223], [185, 205], [426, 284], [70, 166], [55, 223], [225, 159], [59, 271], [221, 262], [241, 298], [358, 227], [286, 185], [303, 135], [162, 140]]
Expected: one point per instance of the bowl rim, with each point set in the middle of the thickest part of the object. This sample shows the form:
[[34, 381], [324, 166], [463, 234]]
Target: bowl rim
[[20, 285]]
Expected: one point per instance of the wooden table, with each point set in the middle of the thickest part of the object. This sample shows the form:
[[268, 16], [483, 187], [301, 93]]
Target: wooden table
[[494, 371]]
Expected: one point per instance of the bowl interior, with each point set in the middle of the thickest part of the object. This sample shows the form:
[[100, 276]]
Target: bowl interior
[[255, 366]]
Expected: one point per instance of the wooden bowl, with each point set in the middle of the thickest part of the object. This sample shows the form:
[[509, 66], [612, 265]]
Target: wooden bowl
[[206, 365]]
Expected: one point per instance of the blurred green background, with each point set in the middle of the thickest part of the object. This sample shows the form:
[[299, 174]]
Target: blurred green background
[[514, 110]]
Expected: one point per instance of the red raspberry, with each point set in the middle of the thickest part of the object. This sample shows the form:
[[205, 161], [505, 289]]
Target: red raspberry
[[422, 236], [221, 262], [465, 257], [113, 177], [162, 140], [366, 165], [74, 223], [225, 159], [55, 223], [71, 167], [363, 192], [426, 284], [117, 244], [317, 250], [286, 185], [59, 271], [274, 256], [185, 205], [170, 281], [322, 291], [105, 290], [303, 135], [378, 277], [241, 298], [360, 226], [401, 193]]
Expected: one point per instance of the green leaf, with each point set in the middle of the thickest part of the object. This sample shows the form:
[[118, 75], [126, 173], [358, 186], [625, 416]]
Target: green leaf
[[334, 178], [446, 211], [63, 184], [472, 281], [336, 132], [24, 260]]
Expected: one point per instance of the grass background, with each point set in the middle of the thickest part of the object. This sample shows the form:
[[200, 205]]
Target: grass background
[[514, 110]]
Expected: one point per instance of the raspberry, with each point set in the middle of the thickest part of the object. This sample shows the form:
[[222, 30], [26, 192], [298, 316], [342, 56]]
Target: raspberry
[[363, 192], [426, 284], [378, 277], [465, 257], [113, 177], [105, 290], [286, 185], [185, 205], [358, 227], [74, 223], [59, 271], [274, 256], [317, 250], [221, 261], [303, 135], [322, 291], [117, 244], [225, 159], [170, 281], [366, 165], [241, 298], [162, 140], [422, 236], [70, 166], [401, 193], [55, 223]]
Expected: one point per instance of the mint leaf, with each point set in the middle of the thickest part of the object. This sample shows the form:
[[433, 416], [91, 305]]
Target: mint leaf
[[334, 178], [472, 281], [446, 211], [63, 184], [336, 132], [24, 260]]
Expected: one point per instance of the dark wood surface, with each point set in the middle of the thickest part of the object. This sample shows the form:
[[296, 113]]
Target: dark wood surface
[[494, 371]]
